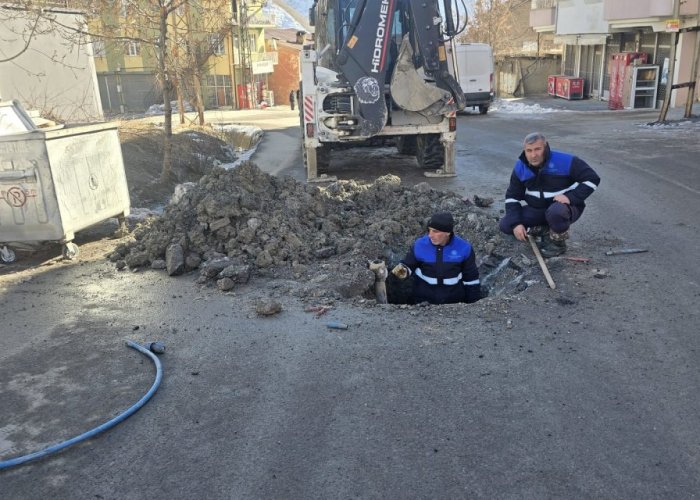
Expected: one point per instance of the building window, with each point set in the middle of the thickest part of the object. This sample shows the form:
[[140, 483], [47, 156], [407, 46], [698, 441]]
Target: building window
[[133, 49], [218, 91], [217, 45], [98, 48]]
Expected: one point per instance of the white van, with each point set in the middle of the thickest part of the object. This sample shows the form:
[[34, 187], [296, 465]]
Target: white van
[[474, 70]]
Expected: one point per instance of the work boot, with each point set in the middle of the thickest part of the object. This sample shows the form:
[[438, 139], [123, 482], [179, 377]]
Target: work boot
[[554, 244], [538, 232]]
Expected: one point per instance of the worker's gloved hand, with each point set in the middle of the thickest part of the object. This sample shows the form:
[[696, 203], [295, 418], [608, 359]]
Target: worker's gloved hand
[[400, 271]]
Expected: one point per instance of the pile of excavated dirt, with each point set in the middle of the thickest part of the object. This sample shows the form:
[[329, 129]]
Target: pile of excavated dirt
[[195, 150], [236, 224]]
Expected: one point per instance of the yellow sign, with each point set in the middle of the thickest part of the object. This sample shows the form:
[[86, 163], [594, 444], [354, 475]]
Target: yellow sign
[[673, 25]]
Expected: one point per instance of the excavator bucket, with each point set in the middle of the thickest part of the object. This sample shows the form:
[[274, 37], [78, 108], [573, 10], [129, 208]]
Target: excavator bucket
[[410, 90]]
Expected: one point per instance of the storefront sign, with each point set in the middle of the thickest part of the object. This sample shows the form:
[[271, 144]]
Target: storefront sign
[[262, 67], [673, 25]]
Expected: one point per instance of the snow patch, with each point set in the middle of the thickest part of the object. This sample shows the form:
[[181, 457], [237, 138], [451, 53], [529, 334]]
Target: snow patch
[[513, 106], [684, 125], [243, 155]]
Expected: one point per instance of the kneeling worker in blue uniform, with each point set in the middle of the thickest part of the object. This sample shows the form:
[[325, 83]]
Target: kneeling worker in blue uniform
[[442, 264], [546, 194]]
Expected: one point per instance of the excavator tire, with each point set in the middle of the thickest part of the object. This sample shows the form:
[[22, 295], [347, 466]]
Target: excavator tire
[[430, 153], [406, 144]]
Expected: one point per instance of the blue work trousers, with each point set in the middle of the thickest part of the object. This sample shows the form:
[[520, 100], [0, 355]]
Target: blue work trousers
[[559, 216]]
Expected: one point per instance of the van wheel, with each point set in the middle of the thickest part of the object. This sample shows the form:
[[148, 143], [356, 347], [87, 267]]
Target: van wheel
[[406, 144], [483, 109], [430, 153]]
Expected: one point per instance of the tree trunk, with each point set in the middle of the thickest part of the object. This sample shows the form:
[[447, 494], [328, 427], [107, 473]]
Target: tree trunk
[[196, 72], [180, 100], [199, 102], [166, 169]]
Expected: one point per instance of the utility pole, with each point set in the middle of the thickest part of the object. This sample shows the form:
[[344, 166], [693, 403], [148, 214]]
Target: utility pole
[[693, 72], [244, 53], [672, 64]]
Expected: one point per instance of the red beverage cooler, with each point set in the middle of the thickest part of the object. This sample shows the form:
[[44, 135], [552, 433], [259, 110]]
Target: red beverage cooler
[[619, 66], [569, 87], [552, 85]]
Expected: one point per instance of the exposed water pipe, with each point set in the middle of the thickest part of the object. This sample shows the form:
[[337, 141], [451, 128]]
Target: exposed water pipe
[[378, 267]]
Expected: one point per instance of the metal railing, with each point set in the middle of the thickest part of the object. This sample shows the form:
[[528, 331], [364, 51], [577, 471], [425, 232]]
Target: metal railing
[[264, 56], [257, 57]]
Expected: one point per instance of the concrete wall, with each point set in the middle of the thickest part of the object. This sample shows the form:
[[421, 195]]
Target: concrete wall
[[581, 17], [54, 76], [542, 17], [523, 76], [638, 9]]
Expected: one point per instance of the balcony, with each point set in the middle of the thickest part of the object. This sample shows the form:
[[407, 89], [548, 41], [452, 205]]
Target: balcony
[[262, 20], [257, 57], [265, 56], [626, 14], [617, 10], [620, 10]]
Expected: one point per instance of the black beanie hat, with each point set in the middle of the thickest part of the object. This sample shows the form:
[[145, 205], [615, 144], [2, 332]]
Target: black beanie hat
[[442, 221]]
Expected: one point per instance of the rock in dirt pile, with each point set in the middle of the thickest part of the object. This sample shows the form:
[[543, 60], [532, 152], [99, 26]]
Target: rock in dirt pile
[[234, 224]]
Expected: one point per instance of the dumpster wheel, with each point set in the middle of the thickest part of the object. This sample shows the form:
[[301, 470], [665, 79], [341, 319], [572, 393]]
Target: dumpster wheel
[[70, 251], [7, 255]]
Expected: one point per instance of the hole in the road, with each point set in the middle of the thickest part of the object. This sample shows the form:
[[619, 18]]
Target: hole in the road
[[499, 276]]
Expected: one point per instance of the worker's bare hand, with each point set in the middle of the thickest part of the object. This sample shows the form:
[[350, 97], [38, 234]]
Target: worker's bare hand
[[562, 198], [520, 232]]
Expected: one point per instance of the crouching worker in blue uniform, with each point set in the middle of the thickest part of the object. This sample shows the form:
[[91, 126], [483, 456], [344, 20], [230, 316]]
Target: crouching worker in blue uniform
[[442, 264], [546, 194]]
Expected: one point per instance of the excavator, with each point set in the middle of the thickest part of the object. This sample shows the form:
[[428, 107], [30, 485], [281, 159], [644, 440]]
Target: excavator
[[377, 73]]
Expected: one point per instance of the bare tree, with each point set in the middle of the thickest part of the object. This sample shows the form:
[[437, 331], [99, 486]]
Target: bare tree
[[503, 24], [201, 29], [178, 32], [149, 23]]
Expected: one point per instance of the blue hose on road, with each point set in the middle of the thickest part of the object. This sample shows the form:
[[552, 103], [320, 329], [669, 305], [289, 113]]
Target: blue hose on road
[[107, 425]]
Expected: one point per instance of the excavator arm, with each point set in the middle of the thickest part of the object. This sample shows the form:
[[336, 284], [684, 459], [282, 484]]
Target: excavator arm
[[364, 60]]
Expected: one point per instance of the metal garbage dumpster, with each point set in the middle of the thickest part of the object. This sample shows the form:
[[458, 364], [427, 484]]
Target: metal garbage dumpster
[[54, 183]]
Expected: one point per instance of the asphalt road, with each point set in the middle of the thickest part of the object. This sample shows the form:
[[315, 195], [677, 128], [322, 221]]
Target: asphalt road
[[589, 391]]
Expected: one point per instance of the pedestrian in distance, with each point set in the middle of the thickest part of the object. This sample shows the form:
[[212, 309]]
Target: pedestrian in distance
[[546, 194], [442, 265], [292, 96]]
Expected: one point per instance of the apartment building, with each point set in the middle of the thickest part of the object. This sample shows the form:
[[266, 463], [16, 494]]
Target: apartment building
[[287, 43], [236, 64], [593, 30]]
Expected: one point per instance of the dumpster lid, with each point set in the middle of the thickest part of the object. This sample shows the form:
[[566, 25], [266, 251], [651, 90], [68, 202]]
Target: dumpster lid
[[14, 119]]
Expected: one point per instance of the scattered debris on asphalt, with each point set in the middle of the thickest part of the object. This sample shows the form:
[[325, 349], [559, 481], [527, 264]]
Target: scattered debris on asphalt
[[336, 325], [624, 251]]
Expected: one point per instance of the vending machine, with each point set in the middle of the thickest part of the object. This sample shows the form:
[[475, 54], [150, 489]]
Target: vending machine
[[619, 67]]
